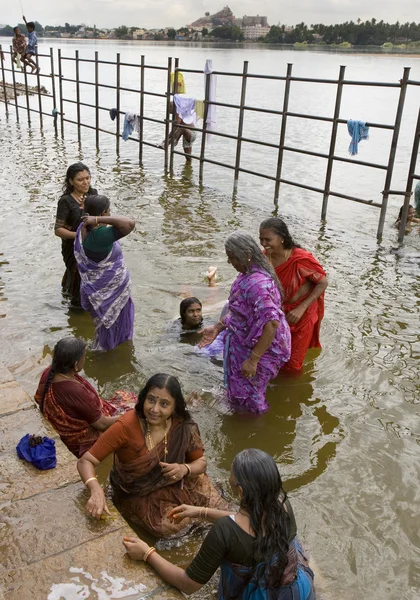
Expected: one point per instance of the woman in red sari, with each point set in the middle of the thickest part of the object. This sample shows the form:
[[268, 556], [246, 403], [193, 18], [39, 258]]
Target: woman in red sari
[[304, 282], [71, 404]]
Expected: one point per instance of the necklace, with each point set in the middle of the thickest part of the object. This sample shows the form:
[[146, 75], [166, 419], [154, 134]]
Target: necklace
[[67, 377], [80, 199], [151, 444]]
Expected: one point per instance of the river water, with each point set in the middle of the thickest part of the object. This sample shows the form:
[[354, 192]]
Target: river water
[[346, 433]]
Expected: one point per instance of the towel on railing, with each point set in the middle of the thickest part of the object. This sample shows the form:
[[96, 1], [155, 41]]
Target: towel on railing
[[113, 114], [211, 111], [358, 131], [131, 123], [185, 108]]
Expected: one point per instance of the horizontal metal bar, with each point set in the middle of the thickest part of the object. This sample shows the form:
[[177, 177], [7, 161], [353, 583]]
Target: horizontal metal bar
[[396, 193], [301, 185], [360, 162], [263, 110], [16, 72], [308, 152], [374, 125], [354, 199], [372, 84], [30, 109], [412, 82]]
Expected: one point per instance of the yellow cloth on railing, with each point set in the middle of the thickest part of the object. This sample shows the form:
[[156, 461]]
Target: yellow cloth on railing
[[199, 108], [180, 83]]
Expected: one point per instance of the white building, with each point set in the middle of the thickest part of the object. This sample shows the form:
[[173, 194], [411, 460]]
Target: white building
[[253, 32]]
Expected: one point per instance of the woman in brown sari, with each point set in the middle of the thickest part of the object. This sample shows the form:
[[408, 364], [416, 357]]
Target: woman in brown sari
[[159, 461], [70, 210]]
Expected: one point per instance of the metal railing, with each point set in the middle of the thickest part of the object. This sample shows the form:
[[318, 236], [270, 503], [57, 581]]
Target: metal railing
[[279, 177]]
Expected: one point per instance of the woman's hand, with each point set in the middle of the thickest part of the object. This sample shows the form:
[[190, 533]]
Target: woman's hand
[[185, 511], [96, 504], [135, 547], [209, 334], [89, 221], [249, 368], [295, 315], [173, 471]]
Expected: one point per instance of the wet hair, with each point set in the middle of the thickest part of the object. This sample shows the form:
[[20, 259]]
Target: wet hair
[[263, 499], [279, 227], [163, 381], [30, 25], [96, 205], [184, 306], [72, 171], [243, 247], [401, 212], [66, 352]]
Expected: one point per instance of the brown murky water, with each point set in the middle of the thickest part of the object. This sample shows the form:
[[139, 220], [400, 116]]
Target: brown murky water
[[346, 433]]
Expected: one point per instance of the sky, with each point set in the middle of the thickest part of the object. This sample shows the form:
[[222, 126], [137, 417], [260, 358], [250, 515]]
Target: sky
[[177, 13]]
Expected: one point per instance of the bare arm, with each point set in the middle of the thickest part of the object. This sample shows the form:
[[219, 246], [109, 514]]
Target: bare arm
[[96, 504], [297, 313], [104, 422], [125, 225], [249, 366], [64, 233], [176, 471]]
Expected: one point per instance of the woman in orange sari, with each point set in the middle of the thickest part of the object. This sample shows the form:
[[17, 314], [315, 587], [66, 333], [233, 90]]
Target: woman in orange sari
[[71, 404], [304, 282], [159, 461]]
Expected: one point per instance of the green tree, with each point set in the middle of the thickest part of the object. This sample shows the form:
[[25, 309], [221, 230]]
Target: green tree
[[204, 31], [121, 32], [171, 33], [228, 32]]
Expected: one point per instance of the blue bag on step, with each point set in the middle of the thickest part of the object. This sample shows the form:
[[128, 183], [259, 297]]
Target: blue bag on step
[[40, 451]]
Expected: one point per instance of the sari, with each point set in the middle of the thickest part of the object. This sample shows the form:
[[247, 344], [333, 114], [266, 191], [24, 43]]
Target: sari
[[293, 274], [141, 492], [254, 300], [105, 292], [75, 431]]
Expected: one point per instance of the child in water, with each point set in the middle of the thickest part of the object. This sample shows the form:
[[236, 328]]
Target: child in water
[[412, 221], [32, 46]]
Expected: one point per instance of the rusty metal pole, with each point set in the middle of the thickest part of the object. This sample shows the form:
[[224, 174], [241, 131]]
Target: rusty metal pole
[[14, 87], [203, 139], [141, 132], [60, 88], [97, 100], [333, 142], [79, 137], [117, 138], [283, 132], [27, 96], [240, 125], [410, 180], [4, 80], [393, 151], [171, 156], [38, 81], [167, 110], [54, 95]]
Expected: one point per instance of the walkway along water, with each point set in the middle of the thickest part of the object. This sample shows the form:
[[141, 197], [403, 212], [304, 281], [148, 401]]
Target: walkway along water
[[49, 546], [93, 88]]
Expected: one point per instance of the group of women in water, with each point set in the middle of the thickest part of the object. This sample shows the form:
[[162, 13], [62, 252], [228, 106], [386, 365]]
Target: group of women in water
[[272, 317]]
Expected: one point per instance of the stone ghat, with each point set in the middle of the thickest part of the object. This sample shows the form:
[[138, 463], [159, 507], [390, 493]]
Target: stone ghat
[[20, 90], [49, 548]]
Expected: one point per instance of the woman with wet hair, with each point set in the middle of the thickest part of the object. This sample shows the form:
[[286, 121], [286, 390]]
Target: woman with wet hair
[[411, 218], [105, 281], [159, 461], [304, 282], [191, 314], [71, 404], [70, 210], [256, 547], [257, 340]]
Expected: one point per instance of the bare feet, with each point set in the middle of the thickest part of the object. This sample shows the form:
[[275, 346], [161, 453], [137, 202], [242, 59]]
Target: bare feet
[[211, 275]]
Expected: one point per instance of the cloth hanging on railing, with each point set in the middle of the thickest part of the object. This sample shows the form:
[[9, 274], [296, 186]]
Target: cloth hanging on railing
[[131, 123], [199, 109], [358, 131], [113, 114], [211, 111], [180, 83], [185, 108], [417, 199]]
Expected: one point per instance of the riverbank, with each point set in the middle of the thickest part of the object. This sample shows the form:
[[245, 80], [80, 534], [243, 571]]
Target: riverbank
[[50, 548], [8, 91]]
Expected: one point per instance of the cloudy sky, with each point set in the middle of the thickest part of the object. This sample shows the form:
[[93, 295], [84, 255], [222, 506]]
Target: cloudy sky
[[176, 13]]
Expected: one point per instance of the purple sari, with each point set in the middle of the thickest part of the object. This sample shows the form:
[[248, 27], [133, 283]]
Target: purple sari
[[254, 301], [105, 293]]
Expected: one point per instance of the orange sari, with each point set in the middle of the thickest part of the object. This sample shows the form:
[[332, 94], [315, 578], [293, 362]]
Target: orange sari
[[293, 274]]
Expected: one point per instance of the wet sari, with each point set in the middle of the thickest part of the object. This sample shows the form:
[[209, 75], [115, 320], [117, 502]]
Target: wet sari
[[300, 268]]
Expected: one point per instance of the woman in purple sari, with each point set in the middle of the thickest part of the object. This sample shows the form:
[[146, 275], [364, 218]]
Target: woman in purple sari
[[257, 338], [105, 281]]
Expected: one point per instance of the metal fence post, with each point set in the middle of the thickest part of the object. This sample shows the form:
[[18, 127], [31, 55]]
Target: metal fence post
[[117, 138], [333, 142], [38, 82], [410, 180], [4, 80], [141, 132], [171, 157], [203, 139], [393, 150], [79, 137], [27, 96], [14, 87], [283, 131], [53, 89], [167, 111], [240, 124], [60, 88], [97, 100]]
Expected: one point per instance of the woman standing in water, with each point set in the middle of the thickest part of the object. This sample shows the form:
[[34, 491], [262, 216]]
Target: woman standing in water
[[304, 282], [256, 548], [105, 281], [257, 341], [70, 210]]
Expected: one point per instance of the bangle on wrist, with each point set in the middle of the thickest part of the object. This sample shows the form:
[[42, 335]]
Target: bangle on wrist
[[148, 553], [258, 355], [221, 323], [96, 221], [188, 469], [90, 479]]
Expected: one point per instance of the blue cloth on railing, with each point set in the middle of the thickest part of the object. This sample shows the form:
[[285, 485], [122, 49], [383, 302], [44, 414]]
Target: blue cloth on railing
[[42, 456], [417, 199], [358, 132], [131, 122], [113, 113]]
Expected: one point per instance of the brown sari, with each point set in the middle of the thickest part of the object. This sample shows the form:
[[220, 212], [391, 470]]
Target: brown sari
[[146, 497]]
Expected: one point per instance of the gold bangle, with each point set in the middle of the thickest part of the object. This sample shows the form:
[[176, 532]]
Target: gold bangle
[[205, 512], [201, 512], [189, 469], [258, 355], [90, 479], [96, 221], [148, 552], [221, 323]]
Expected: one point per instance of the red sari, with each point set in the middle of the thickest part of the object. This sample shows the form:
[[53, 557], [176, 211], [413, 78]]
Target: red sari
[[72, 406], [300, 268]]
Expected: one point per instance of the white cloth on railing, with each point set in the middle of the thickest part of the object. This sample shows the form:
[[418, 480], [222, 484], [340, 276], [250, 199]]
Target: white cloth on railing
[[131, 123], [211, 110], [185, 108]]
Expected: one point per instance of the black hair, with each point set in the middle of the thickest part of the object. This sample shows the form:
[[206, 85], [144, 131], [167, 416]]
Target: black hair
[[15, 29], [263, 499], [280, 228], [72, 171], [96, 205], [30, 24], [66, 353], [163, 381], [401, 211], [184, 306]]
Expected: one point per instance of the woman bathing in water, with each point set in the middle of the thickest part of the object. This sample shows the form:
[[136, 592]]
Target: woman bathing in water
[[412, 221]]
